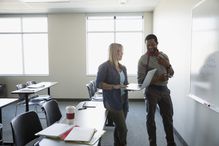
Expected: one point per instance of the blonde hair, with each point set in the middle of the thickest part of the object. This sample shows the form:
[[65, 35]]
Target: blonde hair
[[113, 50]]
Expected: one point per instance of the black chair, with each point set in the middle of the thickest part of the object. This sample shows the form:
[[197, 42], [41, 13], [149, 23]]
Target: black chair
[[24, 127], [36, 96], [52, 112], [32, 101]]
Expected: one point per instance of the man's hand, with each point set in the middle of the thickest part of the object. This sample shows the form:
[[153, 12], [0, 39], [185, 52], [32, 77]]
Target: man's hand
[[162, 78], [163, 61]]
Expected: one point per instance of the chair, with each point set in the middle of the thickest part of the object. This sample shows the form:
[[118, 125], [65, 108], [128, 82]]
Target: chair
[[52, 112], [93, 82], [36, 96], [21, 99], [92, 91], [95, 96], [24, 127]]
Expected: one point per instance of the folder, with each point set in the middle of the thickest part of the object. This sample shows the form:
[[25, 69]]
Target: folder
[[72, 133], [55, 130], [80, 134]]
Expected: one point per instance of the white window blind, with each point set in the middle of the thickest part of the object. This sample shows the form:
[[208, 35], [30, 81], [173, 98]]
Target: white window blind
[[24, 45], [104, 30]]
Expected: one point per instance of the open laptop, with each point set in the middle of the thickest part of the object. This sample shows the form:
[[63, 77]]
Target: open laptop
[[146, 83]]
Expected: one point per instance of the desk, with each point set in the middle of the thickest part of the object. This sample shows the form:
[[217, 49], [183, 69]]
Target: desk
[[89, 117], [27, 91], [4, 102]]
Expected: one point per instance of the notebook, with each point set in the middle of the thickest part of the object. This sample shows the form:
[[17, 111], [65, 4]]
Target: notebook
[[80, 134], [69, 132], [39, 85], [146, 82], [55, 130]]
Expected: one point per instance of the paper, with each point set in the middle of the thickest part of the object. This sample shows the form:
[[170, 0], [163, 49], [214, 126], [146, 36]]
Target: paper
[[98, 134], [36, 86], [55, 130], [80, 134]]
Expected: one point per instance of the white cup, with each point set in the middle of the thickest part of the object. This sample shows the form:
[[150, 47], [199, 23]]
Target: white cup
[[70, 114]]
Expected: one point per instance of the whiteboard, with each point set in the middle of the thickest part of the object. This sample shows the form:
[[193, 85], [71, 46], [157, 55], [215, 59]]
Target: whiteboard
[[204, 77]]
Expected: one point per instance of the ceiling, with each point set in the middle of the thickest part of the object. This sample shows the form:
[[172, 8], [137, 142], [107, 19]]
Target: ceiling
[[87, 6]]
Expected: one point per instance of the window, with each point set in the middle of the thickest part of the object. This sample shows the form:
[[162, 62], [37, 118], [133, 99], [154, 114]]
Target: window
[[104, 30], [24, 45]]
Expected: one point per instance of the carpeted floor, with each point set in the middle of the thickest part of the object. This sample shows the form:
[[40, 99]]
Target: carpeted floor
[[137, 134]]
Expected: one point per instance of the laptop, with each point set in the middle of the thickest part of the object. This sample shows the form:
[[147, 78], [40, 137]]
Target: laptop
[[146, 83]]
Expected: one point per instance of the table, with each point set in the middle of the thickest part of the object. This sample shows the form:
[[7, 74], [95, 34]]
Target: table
[[39, 87], [88, 114], [4, 102]]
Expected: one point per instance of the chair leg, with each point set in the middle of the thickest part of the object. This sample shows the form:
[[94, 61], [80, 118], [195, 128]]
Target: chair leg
[[16, 110], [39, 112]]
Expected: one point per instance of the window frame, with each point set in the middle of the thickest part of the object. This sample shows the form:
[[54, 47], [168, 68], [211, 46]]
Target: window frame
[[114, 32], [22, 33]]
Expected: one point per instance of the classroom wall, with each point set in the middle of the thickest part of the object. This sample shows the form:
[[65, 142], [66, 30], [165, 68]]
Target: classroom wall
[[196, 123], [67, 57]]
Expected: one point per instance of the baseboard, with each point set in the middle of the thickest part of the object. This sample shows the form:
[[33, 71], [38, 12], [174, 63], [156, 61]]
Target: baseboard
[[176, 133], [180, 137]]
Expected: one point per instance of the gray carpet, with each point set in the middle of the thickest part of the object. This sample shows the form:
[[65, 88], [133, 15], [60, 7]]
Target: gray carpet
[[137, 134]]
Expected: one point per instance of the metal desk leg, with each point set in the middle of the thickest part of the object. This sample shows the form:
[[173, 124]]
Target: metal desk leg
[[48, 91], [26, 102]]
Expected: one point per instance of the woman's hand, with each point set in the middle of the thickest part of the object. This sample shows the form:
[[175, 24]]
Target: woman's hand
[[118, 86]]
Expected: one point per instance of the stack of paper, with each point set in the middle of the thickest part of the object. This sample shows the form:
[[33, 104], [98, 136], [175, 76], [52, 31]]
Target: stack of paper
[[72, 133], [80, 134], [36, 86]]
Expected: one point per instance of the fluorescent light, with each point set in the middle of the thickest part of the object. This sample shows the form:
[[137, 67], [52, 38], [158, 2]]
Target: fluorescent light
[[44, 1], [123, 1]]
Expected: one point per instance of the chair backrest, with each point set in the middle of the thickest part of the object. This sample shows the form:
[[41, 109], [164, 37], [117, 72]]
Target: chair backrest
[[94, 85], [20, 86], [30, 82], [52, 112], [24, 127], [90, 89]]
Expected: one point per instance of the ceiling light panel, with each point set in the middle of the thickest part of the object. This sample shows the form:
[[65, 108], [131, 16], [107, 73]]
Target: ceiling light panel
[[45, 1]]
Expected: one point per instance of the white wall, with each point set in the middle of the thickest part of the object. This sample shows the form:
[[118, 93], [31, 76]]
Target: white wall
[[67, 57], [197, 124]]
